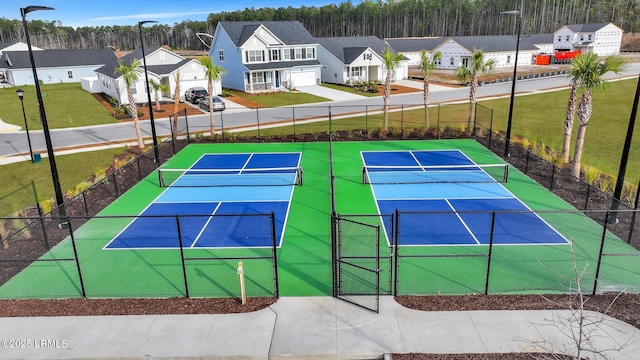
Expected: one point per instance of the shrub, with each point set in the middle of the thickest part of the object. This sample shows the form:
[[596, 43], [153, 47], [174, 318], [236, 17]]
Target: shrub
[[591, 174]]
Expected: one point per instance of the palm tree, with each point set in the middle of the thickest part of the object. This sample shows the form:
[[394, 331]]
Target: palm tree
[[427, 65], [591, 75], [157, 89], [176, 101], [571, 110], [130, 74], [212, 73], [470, 75], [390, 61]]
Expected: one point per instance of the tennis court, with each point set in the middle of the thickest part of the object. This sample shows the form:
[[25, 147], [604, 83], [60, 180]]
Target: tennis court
[[459, 191], [234, 186]]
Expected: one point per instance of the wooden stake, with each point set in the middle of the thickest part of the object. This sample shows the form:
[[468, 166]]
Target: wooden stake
[[242, 290]]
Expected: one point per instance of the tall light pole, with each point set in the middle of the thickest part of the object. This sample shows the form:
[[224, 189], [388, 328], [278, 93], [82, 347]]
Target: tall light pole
[[43, 115], [625, 156], [146, 81], [513, 82], [20, 94]]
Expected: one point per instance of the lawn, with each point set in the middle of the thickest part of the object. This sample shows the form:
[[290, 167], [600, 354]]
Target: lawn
[[276, 99], [73, 169], [350, 89], [66, 105]]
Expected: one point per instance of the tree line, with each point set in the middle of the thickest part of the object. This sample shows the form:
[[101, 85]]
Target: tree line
[[384, 19]]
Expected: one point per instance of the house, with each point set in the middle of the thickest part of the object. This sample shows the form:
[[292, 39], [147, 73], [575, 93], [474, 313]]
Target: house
[[412, 47], [355, 58], [18, 46], [163, 66], [53, 66], [603, 38], [265, 56]]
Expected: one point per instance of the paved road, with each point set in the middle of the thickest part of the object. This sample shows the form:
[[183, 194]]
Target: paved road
[[16, 143]]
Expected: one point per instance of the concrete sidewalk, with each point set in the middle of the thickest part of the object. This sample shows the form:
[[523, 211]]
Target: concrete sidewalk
[[296, 328]]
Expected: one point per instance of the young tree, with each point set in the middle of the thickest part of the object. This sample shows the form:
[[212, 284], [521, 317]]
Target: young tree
[[390, 61], [470, 75], [157, 89], [212, 73], [590, 72], [427, 65], [130, 74], [571, 110]]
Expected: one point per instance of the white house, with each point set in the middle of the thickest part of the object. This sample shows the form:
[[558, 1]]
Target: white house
[[18, 46], [53, 66], [265, 56], [163, 66], [603, 38], [355, 58]]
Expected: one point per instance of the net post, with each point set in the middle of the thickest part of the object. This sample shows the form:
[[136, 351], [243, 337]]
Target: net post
[[364, 175], [160, 184], [506, 173], [243, 294]]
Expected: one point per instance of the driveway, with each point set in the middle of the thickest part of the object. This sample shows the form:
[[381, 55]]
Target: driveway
[[331, 94]]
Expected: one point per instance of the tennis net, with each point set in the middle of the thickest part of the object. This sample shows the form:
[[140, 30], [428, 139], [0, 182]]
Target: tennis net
[[489, 173], [230, 177]]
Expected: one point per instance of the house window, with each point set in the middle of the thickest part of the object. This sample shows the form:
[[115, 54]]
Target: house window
[[589, 37], [70, 74], [559, 38], [568, 37], [356, 71], [298, 53], [287, 54], [451, 61], [310, 53], [581, 37], [134, 89], [221, 55], [255, 56], [257, 77], [508, 59], [275, 55]]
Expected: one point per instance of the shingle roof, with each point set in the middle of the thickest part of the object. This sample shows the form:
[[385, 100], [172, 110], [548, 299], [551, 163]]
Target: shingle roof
[[414, 44], [167, 68], [56, 58], [493, 43], [587, 27], [281, 65], [347, 48], [109, 67], [289, 32], [4, 45]]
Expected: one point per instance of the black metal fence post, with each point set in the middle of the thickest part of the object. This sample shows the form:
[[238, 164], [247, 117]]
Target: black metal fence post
[[184, 265], [258, 124], [293, 119], [75, 255], [334, 250], [493, 222], [396, 240], [275, 256], [604, 236]]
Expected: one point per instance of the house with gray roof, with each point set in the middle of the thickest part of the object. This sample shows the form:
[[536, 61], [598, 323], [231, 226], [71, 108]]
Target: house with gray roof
[[53, 66], [412, 47], [601, 38], [163, 66], [351, 59], [265, 56]]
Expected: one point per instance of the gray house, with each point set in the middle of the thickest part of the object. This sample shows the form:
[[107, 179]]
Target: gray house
[[355, 58], [53, 66], [265, 56], [411, 47]]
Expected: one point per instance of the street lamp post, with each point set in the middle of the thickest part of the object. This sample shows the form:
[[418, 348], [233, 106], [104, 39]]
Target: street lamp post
[[43, 115], [146, 81], [20, 94], [513, 82]]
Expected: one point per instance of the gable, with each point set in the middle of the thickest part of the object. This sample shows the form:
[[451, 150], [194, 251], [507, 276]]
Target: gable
[[286, 32]]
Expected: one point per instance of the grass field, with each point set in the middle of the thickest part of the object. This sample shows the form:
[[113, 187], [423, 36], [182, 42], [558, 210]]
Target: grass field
[[305, 256]]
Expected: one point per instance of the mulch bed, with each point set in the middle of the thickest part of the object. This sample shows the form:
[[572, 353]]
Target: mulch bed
[[166, 109]]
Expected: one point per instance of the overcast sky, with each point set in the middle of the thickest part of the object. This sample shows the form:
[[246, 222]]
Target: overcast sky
[[76, 13]]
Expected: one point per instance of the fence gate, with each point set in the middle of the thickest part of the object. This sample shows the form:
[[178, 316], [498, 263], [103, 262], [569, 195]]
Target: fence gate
[[356, 266]]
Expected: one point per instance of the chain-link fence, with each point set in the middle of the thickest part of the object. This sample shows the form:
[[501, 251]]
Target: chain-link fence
[[96, 257]]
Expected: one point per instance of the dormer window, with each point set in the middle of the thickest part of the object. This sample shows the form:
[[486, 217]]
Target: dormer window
[[254, 56]]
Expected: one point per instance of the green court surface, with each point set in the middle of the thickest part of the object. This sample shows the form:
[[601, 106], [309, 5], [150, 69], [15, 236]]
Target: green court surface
[[304, 258]]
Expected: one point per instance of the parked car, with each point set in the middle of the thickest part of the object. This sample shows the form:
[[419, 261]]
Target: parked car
[[195, 94], [218, 104]]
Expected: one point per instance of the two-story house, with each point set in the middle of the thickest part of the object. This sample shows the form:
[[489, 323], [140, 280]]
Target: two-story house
[[603, 38], [163, 66], [355, 58], [265, 56]]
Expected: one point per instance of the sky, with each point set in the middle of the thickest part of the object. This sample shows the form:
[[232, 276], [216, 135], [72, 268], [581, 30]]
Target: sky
[[77, 13]]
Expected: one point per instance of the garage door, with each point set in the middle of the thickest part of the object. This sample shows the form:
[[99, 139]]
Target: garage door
[[303, 78]]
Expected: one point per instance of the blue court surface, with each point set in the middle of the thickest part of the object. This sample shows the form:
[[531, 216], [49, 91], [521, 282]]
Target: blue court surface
[[212, 215], [452, 203]]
